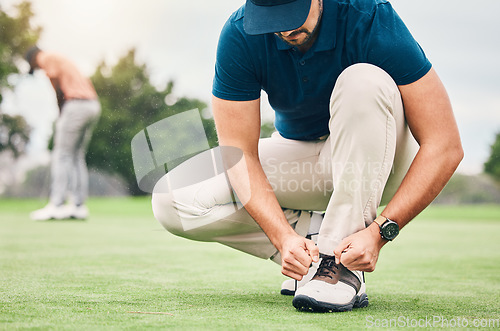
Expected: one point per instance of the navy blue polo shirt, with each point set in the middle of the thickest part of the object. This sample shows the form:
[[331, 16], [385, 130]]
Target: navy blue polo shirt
[[299, 85]]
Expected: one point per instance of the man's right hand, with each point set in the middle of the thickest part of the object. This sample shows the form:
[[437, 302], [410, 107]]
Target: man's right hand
[[238, 125], [297, 254]]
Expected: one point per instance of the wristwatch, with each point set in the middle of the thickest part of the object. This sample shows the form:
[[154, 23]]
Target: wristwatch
[[388, 228]]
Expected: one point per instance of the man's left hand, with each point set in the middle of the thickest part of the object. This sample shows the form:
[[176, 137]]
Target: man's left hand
[[360, 250]]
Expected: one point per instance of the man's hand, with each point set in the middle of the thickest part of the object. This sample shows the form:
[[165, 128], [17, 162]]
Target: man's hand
[[360, 250], [297, 254]]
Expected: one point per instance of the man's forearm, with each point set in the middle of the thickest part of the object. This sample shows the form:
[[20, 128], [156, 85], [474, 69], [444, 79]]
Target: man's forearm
[[254, 191], [429, 114], [431, 169], [252, 187]]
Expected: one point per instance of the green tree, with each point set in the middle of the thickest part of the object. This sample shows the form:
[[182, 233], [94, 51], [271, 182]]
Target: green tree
[[16, 36], [492, 166], [266, 129], [130, 103], [14, 134]]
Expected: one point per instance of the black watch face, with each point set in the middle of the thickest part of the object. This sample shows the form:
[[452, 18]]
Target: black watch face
[[390, 230]]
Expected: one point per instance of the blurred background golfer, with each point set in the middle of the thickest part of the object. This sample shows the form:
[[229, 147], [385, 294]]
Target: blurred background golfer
[[79, 113]]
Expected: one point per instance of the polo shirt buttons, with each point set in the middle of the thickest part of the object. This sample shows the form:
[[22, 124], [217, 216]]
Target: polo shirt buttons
[[305, 79]]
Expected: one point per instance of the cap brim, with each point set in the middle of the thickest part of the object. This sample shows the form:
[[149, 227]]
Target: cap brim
[[271, 19]]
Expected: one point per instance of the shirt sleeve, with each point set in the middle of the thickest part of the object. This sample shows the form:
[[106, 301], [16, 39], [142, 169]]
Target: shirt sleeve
[[392, 47], [235, 77]]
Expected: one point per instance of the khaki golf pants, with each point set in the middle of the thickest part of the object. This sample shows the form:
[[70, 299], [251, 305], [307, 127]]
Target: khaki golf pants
[[347, 174]]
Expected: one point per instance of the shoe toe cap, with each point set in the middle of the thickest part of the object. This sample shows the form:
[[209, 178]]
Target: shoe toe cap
[[321, 291]]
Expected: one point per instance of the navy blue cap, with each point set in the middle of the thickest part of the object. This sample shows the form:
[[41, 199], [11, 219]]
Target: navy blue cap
[[270, 16]]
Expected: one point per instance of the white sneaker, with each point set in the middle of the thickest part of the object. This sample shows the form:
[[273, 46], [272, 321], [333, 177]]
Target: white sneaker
[[51, 211], [79, 212], [289, 286], [333, 288]]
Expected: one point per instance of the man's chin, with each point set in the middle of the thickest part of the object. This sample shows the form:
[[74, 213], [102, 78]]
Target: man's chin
[[294, 42]]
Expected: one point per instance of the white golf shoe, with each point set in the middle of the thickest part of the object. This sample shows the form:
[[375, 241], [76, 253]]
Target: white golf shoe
[[289, 286], [51, 212], [333, 288], [79, 212]]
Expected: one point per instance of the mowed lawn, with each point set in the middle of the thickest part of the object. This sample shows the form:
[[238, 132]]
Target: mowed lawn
[[121, 270]]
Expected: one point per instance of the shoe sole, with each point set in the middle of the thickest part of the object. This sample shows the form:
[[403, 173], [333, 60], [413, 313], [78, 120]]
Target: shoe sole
[[77, 218], [308, 304], [287, 292], [72, 217], [51, 219]]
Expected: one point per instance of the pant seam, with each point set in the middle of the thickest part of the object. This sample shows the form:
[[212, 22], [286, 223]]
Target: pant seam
[[366, 210]]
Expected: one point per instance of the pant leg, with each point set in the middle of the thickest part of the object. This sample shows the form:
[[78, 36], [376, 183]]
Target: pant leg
[[90, 112], [299, 172], [207, 210], [62, 159], [69, 139], [371, 150]]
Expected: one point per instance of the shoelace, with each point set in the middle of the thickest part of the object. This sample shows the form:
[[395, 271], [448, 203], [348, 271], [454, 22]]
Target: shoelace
[[327, 267]]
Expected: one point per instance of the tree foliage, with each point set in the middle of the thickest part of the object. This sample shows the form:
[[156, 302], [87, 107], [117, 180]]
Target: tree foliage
[[130, 103], [14, 134], [16, 36], [492, 166]]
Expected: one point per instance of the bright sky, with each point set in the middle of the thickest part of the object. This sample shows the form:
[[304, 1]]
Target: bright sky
[[177, 40]]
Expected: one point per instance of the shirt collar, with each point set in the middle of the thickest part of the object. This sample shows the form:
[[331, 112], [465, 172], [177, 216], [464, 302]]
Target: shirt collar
[[327, 30]]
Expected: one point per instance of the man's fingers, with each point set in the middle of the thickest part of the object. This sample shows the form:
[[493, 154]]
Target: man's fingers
[[354, 259], [343, 247], [313, 250], [291, 274], [299, 264], [358, 251], [294, 269], [296, 262], [349, 257], [303, 255]]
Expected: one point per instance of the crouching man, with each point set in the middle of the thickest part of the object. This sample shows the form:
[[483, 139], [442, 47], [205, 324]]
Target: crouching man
[[362, 121]]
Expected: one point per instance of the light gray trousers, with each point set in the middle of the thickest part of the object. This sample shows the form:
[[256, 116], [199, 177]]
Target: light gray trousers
[[69, 174], [349, 174]]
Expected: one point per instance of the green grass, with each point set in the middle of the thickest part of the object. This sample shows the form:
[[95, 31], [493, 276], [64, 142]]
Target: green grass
[[107, 272]]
